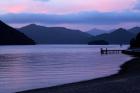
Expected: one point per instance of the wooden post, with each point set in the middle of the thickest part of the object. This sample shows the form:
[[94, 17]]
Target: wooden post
[[106, 50], [102, 52]]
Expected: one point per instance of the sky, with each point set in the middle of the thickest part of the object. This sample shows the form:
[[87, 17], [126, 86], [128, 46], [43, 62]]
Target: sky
[[75, 14]]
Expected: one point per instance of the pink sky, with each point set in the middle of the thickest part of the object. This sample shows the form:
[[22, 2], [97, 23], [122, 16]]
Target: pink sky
[[65, 6], [72, 7]]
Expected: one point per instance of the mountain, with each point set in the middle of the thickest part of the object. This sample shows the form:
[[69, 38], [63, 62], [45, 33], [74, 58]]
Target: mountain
[[55, 35], [119, 36], [96, 31], [11, 36], [135, 30]]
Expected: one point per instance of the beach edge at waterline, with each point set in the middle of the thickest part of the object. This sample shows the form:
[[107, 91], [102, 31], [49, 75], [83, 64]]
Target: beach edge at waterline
[[126, 81]]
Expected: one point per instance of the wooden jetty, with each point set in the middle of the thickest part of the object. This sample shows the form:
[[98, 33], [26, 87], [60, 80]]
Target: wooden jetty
[[110, 51], [132, 52]]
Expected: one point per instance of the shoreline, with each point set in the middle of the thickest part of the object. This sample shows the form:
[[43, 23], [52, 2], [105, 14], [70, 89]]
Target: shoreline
[[126, 81]]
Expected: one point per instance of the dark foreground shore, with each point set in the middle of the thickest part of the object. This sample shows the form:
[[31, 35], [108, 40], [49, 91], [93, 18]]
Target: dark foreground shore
[[126, 81]]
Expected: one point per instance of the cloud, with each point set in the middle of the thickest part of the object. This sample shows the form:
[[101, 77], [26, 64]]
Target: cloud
[[42, 0], [137, 5], [65, 6], [95, 18]]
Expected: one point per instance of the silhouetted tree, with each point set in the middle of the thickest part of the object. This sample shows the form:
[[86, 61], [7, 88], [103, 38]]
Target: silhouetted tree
[[135, 42]]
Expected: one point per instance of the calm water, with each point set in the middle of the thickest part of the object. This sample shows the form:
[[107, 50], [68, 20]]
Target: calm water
[[29, 67]]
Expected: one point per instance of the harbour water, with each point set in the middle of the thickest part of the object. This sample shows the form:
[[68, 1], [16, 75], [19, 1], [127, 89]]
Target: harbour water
[[38, 66]]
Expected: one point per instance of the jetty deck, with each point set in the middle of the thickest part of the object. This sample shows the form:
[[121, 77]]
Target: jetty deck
[[111, 51]]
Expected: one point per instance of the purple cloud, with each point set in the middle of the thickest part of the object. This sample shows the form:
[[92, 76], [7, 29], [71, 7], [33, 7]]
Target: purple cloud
[[96, 18]]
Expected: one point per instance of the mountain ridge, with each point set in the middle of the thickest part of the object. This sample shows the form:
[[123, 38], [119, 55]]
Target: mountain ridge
[[55, 35], [134, 30], [119, 36], [96, 31], [11, 36]]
